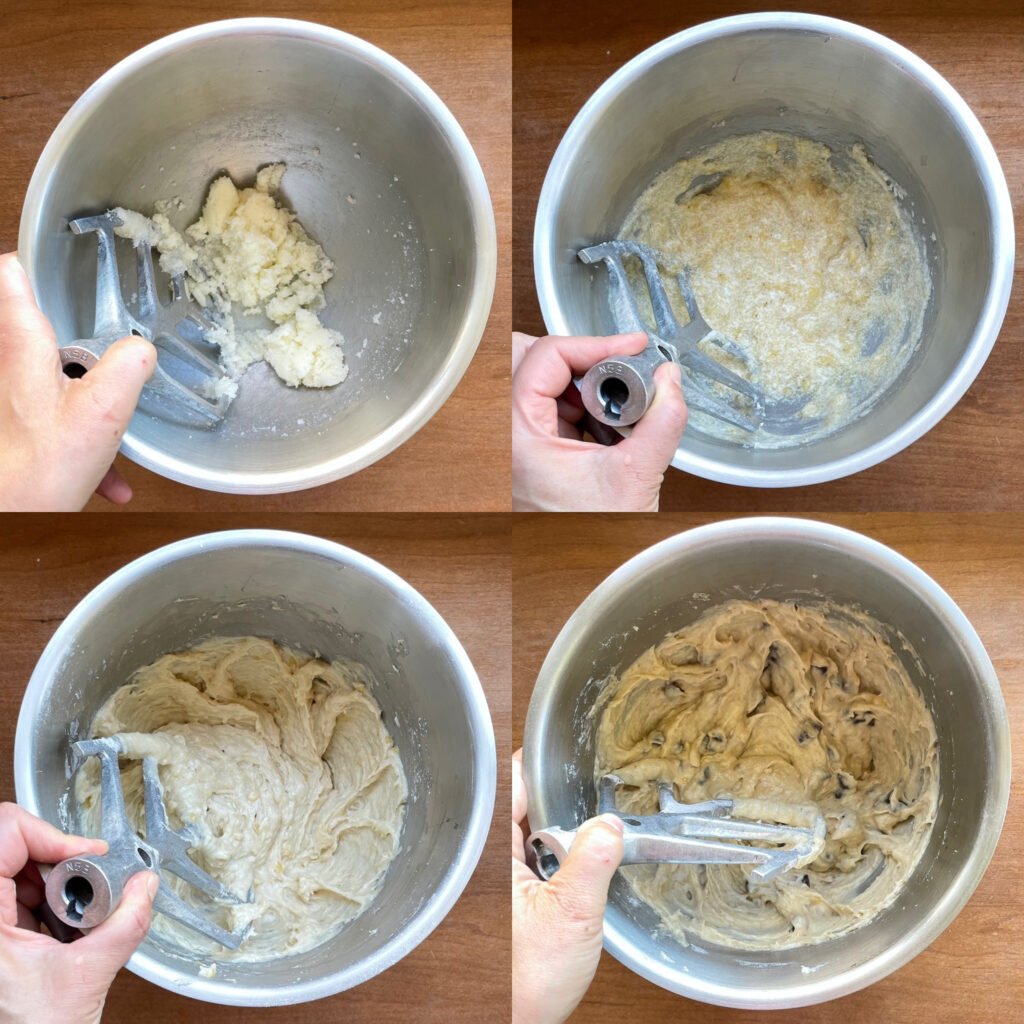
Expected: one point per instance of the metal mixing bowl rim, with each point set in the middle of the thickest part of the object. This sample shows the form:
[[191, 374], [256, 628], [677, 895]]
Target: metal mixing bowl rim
[[477, 825], [481, 289], [986, 164], [885, 560]]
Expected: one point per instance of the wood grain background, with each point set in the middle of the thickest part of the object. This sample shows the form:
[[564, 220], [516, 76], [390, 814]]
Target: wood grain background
[[51, 51], [973, 459], [460, 973], [975, 970]]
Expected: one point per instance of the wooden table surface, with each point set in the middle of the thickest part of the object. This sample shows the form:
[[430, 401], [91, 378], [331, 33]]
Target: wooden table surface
[[562, 53], [975, 970], [51, 51], [460, 973]]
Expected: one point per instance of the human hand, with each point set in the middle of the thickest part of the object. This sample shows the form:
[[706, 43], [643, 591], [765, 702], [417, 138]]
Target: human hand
[[43, 980], [553, 468], [557, 926], [58, 436]]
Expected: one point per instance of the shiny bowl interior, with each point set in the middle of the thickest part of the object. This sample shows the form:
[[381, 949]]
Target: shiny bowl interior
[[671, 584], [380, 174], [830, 81], [317, 597]]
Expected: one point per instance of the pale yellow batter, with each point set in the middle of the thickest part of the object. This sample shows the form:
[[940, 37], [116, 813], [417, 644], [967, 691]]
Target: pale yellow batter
[[284, 765], [778, 702], [804, 257]]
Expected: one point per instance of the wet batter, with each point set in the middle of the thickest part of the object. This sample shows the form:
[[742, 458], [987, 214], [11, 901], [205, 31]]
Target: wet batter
[[804, 256], [778, 702], [286, 768]]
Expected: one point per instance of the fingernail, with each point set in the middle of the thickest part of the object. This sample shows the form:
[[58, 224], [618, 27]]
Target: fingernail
[[613, 821], [152, 884]]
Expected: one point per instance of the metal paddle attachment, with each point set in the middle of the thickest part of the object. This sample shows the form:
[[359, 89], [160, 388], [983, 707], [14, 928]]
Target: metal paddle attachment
[[183, 387], [711, 832], [618, 391], [83, 891]]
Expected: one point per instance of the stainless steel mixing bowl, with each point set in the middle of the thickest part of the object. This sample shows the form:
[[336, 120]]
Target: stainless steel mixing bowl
[[318, 597], [671, 584], [832, 81], [379, 172]]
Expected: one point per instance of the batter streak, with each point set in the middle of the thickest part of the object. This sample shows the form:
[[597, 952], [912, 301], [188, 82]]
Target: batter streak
[[283, 764], [805, 258], [788, 703]]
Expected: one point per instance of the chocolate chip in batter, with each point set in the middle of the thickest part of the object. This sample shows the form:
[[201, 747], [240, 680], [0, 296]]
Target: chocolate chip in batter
[[713, 742]]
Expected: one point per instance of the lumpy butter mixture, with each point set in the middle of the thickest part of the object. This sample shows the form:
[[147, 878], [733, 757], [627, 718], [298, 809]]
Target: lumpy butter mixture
[[248, 255], [283, 764], [804, 257], [794, 705]]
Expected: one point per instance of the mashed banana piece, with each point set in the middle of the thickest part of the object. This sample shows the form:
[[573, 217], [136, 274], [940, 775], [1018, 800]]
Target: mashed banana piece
[[804, 257], [786, 703], [283, 764], [248, 254]]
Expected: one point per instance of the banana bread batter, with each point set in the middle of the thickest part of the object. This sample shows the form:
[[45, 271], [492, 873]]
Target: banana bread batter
[[803, 256], [777, 702], [284, 765]]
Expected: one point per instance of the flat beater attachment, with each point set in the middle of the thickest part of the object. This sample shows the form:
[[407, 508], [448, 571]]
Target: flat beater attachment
[[83, 891], [774, 838], [617, 392], [177, 326]]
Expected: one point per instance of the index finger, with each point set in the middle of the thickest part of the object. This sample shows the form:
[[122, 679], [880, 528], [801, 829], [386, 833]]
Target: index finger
[[550, 364], [25, 334], [24, 837]]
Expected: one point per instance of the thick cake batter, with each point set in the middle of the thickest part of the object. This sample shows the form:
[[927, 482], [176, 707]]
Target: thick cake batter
[[785, 703], [805, 258], [283, 764]]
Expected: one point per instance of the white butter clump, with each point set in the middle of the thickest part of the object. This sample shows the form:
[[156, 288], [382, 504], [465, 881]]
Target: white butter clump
[[247, 253], [303, 351]]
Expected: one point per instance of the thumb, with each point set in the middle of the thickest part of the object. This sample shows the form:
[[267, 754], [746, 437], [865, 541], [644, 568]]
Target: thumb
[[655, 438], [640, 461], [102, 402], [581, 883], [108, 946]]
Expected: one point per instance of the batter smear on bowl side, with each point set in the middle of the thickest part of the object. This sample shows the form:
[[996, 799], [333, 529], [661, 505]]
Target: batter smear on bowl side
[[284, 766], [249, 255], [784, 703], [804, 257]]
